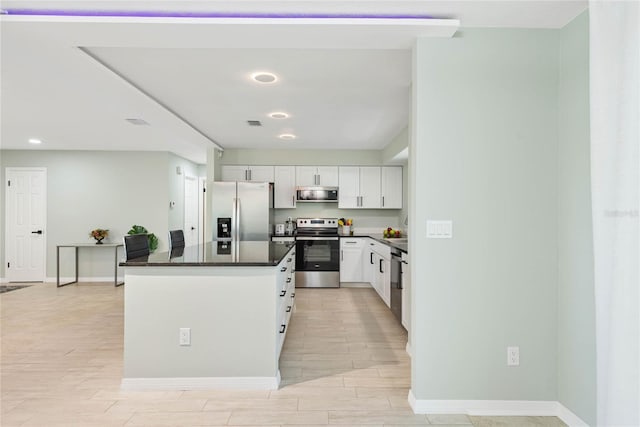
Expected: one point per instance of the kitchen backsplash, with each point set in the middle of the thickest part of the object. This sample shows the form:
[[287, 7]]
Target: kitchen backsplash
[[362, 218]]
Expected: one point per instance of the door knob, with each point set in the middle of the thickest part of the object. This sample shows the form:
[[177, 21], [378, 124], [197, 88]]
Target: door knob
[[37, 232]]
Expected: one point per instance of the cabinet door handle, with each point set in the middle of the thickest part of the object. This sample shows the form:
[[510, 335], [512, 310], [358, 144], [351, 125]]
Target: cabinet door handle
[[288, 279], [283, 293], [282, 328], [371, 258], [341, 255], [288, 259], [383, 201], [283, 269], [250, 175], [293, 200], [293, 295], [381, 266], [288, 308]]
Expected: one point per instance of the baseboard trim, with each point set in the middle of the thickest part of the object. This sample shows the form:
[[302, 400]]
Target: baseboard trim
[[568, 417], [4, 280], [201, 383], [496, 408]]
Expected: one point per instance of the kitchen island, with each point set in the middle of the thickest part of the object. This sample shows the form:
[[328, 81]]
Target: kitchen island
[[208, 316]]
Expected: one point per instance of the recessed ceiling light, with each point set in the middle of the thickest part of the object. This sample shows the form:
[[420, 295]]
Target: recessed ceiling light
[[34, 141], [138, 122], [263, 77], [287, 136], [278, 115]]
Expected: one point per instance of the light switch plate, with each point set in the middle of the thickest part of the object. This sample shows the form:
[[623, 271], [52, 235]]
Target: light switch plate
[[439, 229]]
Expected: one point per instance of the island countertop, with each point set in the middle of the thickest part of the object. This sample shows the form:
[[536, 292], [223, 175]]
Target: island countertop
[[217, 253]]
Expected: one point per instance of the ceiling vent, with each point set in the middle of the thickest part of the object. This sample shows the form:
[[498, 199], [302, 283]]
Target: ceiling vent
[[138, 122], [254, 123]]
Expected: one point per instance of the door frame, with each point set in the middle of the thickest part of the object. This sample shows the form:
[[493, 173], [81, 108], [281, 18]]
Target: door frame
[[45, 217]]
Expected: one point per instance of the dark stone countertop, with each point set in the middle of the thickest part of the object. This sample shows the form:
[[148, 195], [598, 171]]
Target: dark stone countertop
[[218, 253]]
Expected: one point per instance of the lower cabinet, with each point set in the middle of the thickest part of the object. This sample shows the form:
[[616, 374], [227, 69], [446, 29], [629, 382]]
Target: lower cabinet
[[351, 259], [285, 298], [377, 268]]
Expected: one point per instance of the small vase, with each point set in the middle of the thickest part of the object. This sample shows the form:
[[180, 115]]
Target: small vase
[[99, 240]]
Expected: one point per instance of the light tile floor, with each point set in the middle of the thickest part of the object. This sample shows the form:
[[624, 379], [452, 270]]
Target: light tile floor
[[344, 362]]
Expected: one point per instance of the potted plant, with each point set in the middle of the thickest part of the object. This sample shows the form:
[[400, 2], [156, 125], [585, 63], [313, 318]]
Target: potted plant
[[153, 240], [99, 234]]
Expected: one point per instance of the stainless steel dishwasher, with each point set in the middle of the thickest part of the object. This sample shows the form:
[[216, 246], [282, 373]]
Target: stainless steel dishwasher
[[396, 283]]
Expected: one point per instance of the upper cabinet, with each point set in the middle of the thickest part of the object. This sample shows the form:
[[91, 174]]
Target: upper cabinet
[[248, 173], [284, 192], [370, 187], [310, 176], [359, 187], [391, 187]]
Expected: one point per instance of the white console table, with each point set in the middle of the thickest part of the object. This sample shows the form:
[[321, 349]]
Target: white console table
[[75, 246]]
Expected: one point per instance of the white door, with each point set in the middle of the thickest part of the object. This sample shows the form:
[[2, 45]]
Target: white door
[[191, 223], [370, 187], [26, 213], [285, 187], [392, 187]]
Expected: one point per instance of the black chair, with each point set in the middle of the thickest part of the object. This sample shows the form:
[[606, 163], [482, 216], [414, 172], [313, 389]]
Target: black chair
[[136, 246], [176, 239]]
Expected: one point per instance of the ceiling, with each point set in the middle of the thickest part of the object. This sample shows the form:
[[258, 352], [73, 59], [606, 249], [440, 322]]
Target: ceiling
[[71, 81]]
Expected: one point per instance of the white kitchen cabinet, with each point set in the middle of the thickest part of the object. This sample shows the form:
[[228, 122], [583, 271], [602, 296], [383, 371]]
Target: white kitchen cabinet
[[248, 173], [284, 191], [351, 259], [377, 268], [391, 187], [309, 176], [359, 187]]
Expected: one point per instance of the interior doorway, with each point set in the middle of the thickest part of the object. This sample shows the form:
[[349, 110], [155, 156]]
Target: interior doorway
[[191, 211], [25, 216]]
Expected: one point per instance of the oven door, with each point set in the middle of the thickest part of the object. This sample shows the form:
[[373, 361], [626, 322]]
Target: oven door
[[317, 254]]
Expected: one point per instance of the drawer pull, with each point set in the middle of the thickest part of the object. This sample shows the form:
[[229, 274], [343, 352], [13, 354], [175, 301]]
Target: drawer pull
[[283, 293], [288, 259], [288, 308], [283, 269], [293, 295], [288, 279], [282, 328]]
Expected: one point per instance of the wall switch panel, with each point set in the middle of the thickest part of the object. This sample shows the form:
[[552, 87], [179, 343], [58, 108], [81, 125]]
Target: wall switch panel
[[439, 229], [185, 336]]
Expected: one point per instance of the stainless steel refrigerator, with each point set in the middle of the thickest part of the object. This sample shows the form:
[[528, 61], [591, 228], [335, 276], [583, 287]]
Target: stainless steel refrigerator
[[242, 211]]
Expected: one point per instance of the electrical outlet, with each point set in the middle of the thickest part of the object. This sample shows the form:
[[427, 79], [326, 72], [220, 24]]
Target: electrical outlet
[[513, 356], [185, 336]]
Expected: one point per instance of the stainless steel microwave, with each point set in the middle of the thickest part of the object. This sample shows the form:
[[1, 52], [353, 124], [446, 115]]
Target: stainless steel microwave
[[317, 194]]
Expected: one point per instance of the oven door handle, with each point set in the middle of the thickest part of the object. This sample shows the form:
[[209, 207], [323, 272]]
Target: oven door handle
[[316, 238]]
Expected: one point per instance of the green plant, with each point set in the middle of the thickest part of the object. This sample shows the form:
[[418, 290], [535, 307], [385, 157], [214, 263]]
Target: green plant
[[153, 240]]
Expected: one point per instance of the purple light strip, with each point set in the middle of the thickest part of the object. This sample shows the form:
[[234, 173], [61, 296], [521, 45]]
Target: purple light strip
[[178, 14]]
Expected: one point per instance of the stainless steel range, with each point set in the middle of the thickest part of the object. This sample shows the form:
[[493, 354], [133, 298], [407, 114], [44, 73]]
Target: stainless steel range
[[317, 253]]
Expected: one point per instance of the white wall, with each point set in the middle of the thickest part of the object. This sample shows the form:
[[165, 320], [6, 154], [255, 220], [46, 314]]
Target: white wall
[[484, 155], [91, 189], [576, 304]]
